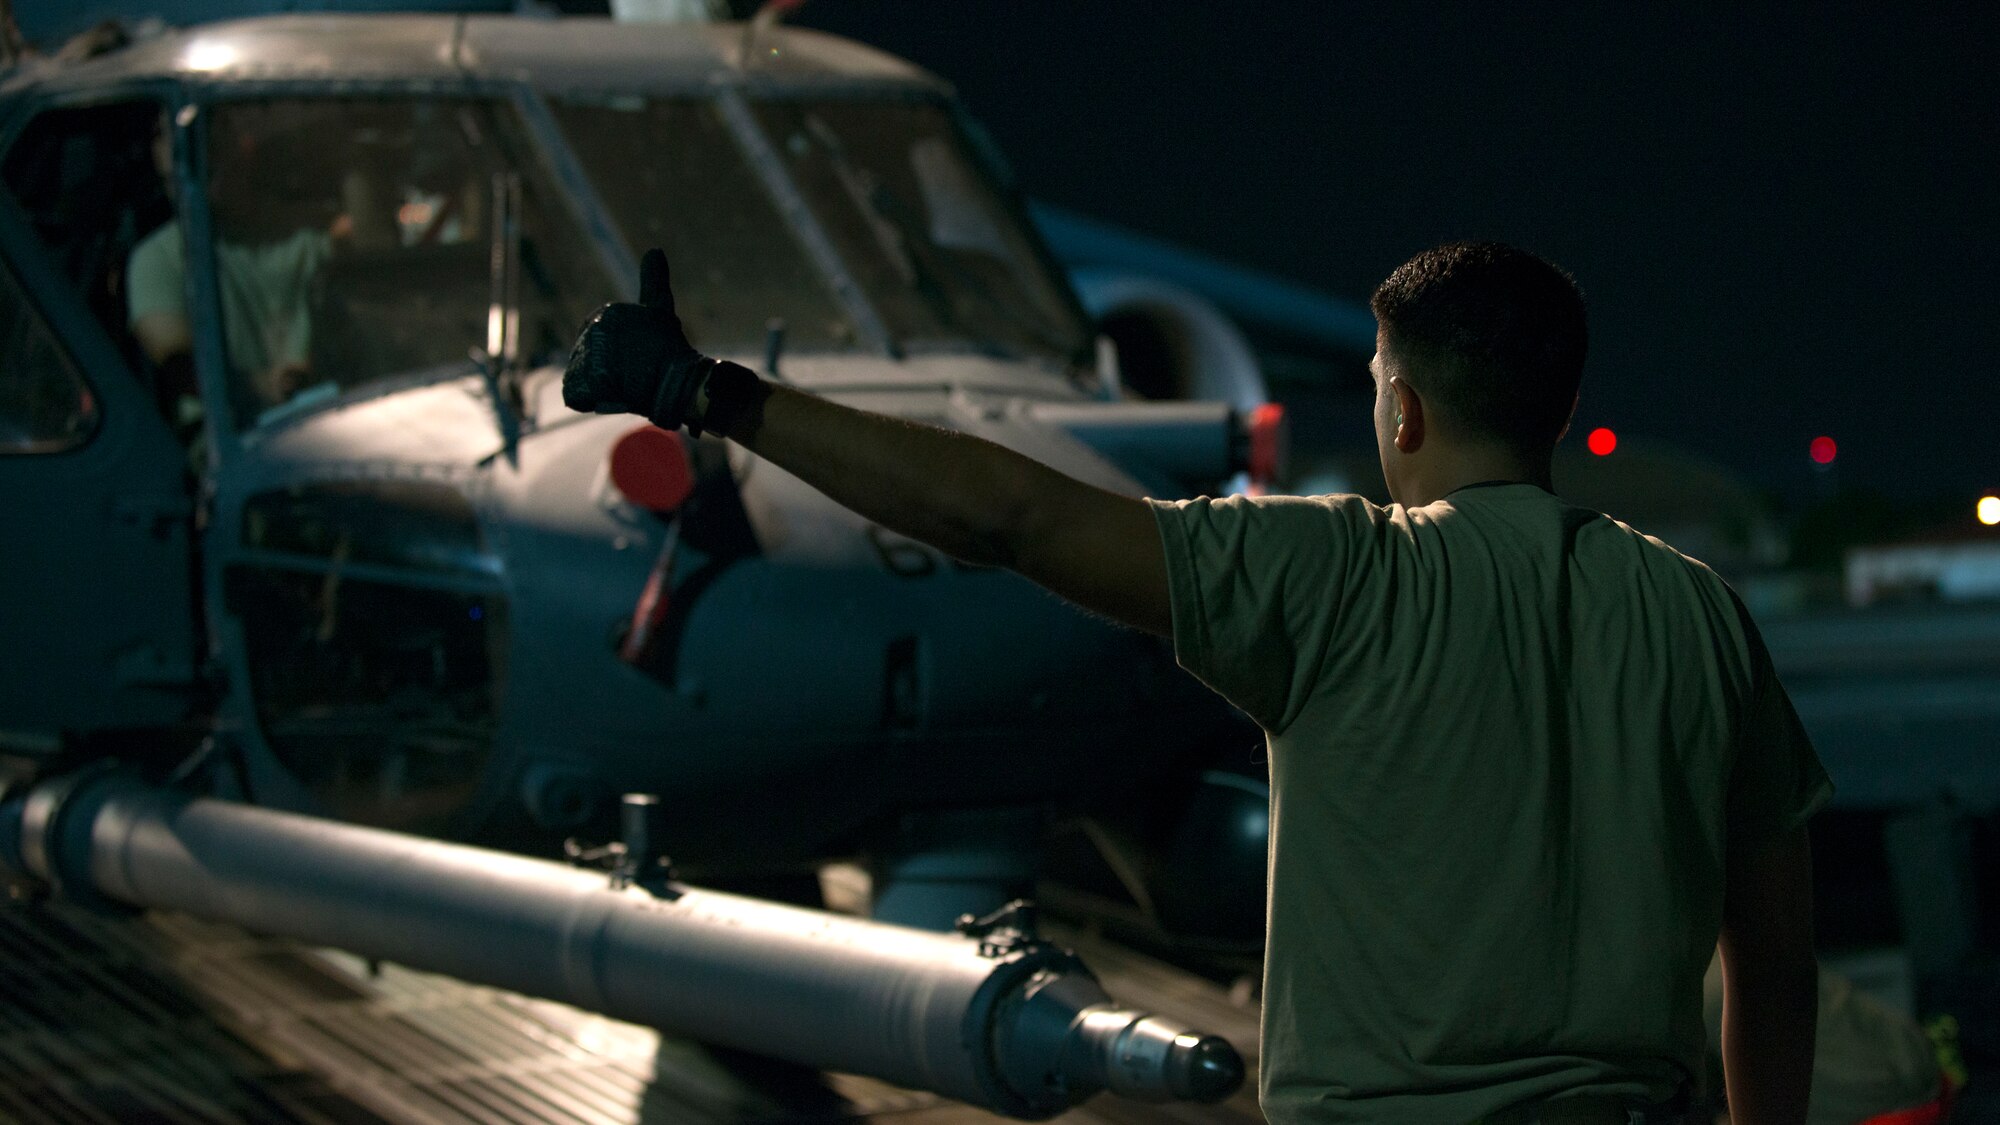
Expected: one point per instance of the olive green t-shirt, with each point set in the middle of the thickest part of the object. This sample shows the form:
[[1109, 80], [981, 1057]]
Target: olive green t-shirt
[[1510, 741]]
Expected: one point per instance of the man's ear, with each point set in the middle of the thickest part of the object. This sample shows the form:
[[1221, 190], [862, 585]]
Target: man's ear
[[1409, 415], [1571, 419]]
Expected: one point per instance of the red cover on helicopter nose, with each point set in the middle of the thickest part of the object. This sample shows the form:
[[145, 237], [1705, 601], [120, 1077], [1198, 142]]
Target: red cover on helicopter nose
[[650, 467]]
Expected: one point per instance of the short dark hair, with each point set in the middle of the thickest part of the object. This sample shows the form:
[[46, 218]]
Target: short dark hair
[[1496, 335]]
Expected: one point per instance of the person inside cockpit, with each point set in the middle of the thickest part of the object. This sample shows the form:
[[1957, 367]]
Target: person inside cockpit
[[268, 260]]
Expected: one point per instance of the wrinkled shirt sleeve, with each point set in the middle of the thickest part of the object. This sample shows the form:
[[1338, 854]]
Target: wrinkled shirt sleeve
[[1777, 782], [1257, 586]]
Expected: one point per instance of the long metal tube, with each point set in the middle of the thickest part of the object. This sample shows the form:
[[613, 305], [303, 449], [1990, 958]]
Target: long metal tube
[[1002, 1021]]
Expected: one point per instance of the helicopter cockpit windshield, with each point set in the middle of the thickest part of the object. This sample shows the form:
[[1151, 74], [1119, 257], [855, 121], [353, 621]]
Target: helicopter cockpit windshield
[[352, 244], [672, 176], [918, 229], [926, 235]]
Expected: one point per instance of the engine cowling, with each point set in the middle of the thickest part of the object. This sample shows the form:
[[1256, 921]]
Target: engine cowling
[[1173, 344]]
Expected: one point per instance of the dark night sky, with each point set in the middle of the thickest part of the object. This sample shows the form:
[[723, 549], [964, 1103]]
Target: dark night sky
[[1784, 217]]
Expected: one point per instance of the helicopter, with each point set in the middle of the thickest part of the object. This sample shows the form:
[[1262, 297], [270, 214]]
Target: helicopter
[[345, 543]]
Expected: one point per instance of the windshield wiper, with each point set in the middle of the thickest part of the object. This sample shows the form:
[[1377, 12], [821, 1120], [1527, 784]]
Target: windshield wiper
[[499, 361]]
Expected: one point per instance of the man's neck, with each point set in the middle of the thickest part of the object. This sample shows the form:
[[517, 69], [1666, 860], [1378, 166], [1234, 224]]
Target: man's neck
[[1436, 479]]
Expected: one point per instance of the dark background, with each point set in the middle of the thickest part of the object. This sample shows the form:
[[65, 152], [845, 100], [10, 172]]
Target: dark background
[[1783, 216]]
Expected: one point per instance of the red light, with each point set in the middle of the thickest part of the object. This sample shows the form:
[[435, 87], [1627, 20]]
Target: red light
[[1269, 439], [1603, 441], [650, 467], [1823, 450]]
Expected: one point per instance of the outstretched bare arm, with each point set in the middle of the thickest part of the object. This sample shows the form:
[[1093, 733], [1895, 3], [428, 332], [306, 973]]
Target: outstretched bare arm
[[966, 496], [1770, 998]]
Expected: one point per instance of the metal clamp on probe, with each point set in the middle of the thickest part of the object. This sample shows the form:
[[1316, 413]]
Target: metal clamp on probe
[[1014, 926], [638, 859], [44, 825]]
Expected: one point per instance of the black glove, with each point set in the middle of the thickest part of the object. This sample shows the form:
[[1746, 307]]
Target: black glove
[[635, 359]]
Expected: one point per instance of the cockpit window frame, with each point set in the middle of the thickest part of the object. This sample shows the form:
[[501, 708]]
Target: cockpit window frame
[[980, 147], [234, 434], [193, 102], [181, 102], [970, 143], [737, 101], [19, 274]]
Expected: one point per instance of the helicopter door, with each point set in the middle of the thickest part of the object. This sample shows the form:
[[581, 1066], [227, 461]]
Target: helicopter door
[[96, 609]]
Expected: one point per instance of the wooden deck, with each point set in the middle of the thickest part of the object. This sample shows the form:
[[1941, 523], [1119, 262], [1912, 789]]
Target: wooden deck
[[165, 1019]]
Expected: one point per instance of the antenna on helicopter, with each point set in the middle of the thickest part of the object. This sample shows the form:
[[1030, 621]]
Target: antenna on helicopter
[[13, 47], [768, 16], [669, 11], [500, 361], [774, 346]]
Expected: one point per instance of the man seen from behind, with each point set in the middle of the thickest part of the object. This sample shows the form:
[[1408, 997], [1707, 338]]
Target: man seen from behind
[[1528, 765]]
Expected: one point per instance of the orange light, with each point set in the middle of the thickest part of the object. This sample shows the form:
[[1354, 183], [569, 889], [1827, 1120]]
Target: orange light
[[1270, 438], [1989, 510], [1602, 441], [1823, 450]]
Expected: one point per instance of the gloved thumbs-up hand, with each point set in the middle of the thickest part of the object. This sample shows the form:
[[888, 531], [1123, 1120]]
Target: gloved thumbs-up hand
[[635, 359]]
